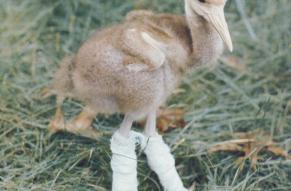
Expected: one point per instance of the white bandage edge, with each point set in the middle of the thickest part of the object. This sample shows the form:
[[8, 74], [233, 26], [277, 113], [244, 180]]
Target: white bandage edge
[[162, 162], [124, 162]]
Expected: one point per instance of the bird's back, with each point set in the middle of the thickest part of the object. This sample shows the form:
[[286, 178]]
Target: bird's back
[[168, 25], [101, 76]]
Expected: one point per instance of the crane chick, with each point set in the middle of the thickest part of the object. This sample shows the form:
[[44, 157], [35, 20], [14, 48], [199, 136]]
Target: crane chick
[[132, 68]]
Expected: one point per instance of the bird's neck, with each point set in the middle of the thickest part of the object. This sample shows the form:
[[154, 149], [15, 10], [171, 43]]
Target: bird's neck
[[207, 45]]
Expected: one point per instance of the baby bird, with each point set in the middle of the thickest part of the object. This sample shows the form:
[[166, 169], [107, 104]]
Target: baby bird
[[133, 67]]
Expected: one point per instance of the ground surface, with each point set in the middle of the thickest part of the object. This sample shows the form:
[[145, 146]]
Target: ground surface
[[249, 90]]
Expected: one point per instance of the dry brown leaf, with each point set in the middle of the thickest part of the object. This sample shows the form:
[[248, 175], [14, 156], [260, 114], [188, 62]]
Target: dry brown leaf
[[254, 160], [240, 162], [225, 147], [169, 118], [163, 124], [46, 93], [251, 144], [278, 151]]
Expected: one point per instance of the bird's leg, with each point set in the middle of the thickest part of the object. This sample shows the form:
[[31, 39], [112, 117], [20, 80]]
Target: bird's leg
[[57, 123], [159, 156], [81, 124], [125, 126], [168, 118], [124, 159], [150, 127]]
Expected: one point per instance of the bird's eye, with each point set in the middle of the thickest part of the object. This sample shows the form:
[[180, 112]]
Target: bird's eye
[[202, 1]]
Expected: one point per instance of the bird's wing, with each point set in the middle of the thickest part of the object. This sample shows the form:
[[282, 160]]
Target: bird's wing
[[146, 49], [138, 14]]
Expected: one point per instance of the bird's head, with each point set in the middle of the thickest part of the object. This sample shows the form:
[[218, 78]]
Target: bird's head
[[213, 12]]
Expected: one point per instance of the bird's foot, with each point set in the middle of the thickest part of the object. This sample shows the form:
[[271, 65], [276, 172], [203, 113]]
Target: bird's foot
[[82, 129], [46, 92], [57, 123], [80, 125], [162, 162], [124, 161]]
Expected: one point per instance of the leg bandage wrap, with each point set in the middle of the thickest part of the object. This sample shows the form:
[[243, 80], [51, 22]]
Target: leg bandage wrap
[[124, 162], [162, 162]]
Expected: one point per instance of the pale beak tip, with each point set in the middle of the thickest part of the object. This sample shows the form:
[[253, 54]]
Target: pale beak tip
[[229, 44], [230, 48]]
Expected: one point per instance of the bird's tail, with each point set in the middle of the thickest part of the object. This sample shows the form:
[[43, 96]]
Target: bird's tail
[[62, 84]]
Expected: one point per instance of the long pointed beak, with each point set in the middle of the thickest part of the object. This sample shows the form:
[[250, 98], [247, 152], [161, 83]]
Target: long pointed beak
[[217, 19]]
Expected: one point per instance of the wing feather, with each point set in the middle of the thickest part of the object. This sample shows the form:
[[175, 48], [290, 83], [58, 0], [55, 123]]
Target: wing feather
[[144, 47]]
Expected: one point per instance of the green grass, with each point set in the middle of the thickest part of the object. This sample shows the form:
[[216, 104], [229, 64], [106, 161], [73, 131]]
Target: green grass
[[220, 101]]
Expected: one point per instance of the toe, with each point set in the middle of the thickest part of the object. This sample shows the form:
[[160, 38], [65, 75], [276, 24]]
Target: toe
[[56, 125]]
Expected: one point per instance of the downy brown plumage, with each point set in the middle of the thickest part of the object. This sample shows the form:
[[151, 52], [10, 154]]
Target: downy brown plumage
[[133, 67]]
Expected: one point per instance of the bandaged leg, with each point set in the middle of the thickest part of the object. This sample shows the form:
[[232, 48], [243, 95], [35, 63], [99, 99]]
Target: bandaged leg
[[124, 159], [160, 159]]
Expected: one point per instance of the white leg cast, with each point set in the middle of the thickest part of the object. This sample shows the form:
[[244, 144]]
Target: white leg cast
[[160, 159], [124, 160]]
